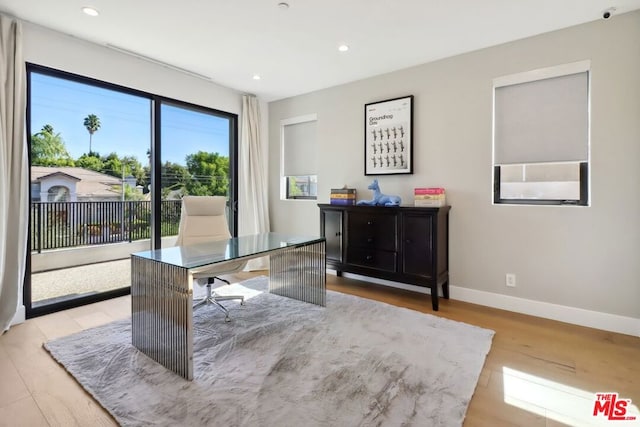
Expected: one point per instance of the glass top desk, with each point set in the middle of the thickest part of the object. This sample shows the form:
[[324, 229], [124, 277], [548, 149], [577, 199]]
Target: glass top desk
[[162, 287]]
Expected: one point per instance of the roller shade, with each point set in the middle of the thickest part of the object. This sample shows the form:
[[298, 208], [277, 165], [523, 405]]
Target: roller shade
[[299, 149], [542, 121]]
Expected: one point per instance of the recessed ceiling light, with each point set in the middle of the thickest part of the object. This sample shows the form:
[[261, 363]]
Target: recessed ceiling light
[[256, 77], [343, 48], [88, 10], [283, 6]]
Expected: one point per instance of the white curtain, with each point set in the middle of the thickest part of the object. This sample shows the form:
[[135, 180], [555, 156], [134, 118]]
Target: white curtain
[[14, 190], [254, 200]]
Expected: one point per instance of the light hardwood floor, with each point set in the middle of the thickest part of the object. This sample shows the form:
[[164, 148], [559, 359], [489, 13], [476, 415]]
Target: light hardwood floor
[[538, 372]]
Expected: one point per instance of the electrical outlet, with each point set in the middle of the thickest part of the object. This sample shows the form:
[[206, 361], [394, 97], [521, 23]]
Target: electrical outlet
[[510, 280]]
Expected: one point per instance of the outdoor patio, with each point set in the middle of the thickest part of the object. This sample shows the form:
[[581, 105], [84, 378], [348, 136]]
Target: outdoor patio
[[81, 280], [91, 233], [85, 280]]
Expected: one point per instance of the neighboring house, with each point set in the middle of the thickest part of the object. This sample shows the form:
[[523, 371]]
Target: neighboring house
[[70, 184]]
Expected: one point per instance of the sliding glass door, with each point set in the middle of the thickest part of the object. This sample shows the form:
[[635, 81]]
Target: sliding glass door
[[89, 188], [109, 166], [197, 153]]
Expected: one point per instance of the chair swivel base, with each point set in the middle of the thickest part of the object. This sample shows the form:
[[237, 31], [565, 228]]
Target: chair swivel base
[[214, 299]]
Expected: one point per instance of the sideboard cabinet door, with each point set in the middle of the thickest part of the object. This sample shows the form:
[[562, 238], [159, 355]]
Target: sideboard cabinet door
[[331, 229], [417, 245]]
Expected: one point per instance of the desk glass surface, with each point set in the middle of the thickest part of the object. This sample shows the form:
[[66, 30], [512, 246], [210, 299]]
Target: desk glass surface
[[235, 248]]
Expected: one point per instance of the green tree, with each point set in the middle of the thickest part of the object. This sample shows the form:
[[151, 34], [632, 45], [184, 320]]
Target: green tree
[[90, 161], [131, 193], [294, 190], [174, 177], [112, 165], [117, 166], [209, 174], [92, 123], [48, 149], [143, 177], [134, 167]]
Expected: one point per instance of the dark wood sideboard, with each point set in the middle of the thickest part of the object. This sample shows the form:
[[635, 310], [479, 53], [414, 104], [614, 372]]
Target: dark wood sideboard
[[401, 244]]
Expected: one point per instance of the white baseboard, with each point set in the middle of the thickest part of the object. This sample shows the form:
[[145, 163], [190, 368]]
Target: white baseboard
[[562, 313], [20, 316]]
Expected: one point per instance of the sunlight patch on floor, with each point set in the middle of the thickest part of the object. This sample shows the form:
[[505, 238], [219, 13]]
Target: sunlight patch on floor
[[565, 404], [247, 292]]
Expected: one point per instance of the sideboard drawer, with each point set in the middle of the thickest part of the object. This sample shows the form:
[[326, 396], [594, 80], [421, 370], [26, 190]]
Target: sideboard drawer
[[373, 231], [379, 260]]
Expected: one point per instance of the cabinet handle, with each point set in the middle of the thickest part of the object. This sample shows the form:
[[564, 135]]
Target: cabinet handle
[[338, 234], [369, 257], [369, 222]]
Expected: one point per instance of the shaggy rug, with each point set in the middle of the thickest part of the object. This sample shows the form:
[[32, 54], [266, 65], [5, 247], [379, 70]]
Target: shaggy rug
[[282, 362]]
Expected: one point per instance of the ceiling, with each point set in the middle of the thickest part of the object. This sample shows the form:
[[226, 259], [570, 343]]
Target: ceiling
[[295, 49]]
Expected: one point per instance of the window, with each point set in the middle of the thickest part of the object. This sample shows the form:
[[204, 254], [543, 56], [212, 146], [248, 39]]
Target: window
[[541, 136], [298, 149], [58, 193]]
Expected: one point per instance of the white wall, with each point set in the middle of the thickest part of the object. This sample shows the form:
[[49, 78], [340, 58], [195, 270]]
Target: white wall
[[580, 257], [56, 50], [58, 180]]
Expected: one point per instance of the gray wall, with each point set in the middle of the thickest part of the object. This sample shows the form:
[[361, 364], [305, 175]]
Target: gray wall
[[584, 257]]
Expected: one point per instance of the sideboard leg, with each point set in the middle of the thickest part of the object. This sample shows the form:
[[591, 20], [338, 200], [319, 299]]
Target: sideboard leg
[[434, 297], [445, 289]]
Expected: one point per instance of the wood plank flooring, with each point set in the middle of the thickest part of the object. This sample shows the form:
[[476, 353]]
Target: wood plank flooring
[[539, 372]]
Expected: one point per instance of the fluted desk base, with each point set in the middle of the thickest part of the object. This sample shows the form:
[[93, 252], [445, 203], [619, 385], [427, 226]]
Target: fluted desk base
[[162, 299]]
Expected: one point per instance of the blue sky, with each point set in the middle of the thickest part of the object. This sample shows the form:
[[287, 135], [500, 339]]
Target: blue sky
[[125, 122]]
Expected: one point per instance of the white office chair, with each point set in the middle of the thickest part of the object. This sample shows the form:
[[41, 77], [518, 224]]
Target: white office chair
[[203, 219]]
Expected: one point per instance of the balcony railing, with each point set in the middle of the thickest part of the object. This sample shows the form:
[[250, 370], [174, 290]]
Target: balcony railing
[[56, 225]]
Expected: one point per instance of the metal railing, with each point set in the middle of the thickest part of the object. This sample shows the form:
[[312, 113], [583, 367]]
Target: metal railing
[[56, 225]]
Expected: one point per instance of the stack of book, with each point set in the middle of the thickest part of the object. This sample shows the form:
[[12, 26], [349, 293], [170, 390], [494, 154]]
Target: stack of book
[[429, 197], [343, 196]]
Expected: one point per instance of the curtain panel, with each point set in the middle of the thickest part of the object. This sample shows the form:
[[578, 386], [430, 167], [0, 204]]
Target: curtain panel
[[254, 207], [14, 168]]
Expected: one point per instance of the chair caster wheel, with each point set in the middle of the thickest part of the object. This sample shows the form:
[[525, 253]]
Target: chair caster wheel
[[227, 319], [242, 302]]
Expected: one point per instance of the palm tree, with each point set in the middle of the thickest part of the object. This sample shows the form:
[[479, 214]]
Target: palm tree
[[92, 123], [47, 129]]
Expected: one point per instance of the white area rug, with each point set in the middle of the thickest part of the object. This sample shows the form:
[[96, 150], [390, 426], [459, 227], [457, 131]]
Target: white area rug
[[282, 362]]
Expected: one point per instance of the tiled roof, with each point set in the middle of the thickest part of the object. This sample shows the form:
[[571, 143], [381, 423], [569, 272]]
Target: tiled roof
[[90, 183], [57, 173]]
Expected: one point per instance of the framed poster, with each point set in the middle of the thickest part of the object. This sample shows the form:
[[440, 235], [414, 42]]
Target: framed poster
[[388, 135]]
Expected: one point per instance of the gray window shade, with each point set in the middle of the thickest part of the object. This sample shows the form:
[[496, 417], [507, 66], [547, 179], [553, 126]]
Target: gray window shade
[[542, 121], [299, 145]]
